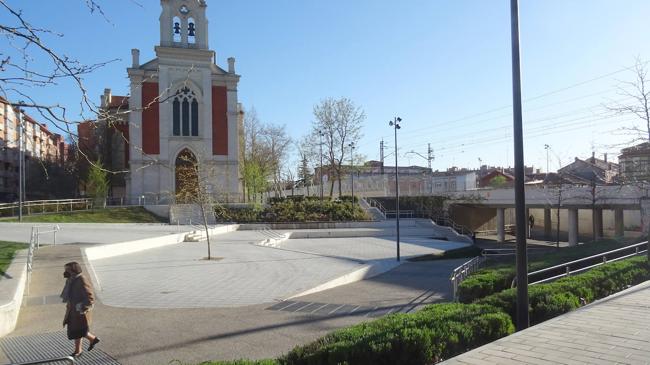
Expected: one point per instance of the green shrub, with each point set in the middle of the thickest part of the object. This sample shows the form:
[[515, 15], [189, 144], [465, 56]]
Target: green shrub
[[437, 332], [484, 283], [242, 362], [295, 209]]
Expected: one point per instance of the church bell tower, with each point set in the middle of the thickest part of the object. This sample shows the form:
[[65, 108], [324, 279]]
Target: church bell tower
[[183, 107]]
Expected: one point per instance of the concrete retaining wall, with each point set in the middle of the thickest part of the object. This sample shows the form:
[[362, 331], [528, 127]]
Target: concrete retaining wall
[[160, 210], [124, 248], [332, 225], [12, 288]]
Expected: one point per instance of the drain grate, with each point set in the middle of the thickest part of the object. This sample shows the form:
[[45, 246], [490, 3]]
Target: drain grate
[[50, 346]]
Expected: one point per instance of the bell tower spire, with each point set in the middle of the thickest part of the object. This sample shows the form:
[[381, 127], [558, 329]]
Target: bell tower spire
[[183, 24]]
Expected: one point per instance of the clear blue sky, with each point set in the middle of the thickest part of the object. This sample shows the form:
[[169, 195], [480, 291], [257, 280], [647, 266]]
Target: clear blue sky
[[442, 66]]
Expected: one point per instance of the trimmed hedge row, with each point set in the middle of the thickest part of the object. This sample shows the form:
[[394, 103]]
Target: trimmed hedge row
[[242, 362], [296, 210], [484, 283], [550, 300], [435, 333]]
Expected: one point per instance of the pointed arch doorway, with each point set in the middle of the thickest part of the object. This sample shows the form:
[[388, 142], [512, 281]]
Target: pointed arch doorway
[[187, 177]]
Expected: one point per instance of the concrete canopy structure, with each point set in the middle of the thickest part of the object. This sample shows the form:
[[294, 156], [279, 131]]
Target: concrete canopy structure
[[180, 103]]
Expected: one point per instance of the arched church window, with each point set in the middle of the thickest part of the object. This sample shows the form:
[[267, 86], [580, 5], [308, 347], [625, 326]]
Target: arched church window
[[176, 26], [191, 31], [185, 113]]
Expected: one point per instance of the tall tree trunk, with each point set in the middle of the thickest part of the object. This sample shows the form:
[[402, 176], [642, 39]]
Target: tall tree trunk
[[207, 229]]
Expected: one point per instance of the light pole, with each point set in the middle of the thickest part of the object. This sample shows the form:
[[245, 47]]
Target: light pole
[[21, 164], [351, 145], [320, 133], [520, 194], [395, 123]]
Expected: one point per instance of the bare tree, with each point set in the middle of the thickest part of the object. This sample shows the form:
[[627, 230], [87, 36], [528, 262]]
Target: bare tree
[[340, 121], [198, 185], [638, 92]]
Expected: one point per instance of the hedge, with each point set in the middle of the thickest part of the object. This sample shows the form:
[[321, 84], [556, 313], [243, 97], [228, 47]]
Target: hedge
[[484, 283], [296, 209], [549, 300], [437, 332], [242, 362]]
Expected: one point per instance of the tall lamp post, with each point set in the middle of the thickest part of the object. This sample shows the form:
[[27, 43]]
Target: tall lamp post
[[520, 194], [395, 123], [352, 146], [320, 133], [21, 164]]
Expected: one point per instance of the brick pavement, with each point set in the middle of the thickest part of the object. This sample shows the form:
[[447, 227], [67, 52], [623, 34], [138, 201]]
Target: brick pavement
[[614, 330]]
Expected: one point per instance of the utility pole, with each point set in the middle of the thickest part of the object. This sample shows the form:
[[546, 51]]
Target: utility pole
[[430, 156], [396, 125], [520, 194], [320, 133], [352, 170], [381, 155], [21, 164]]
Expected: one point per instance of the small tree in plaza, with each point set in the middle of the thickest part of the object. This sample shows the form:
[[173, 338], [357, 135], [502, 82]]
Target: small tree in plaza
[[196, 184], [97, 184]]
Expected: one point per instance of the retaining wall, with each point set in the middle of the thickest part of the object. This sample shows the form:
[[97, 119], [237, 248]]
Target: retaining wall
[[12, 289]]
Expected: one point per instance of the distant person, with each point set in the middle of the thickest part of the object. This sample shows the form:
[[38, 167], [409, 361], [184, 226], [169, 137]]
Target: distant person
[[78, 296], [531, 224]]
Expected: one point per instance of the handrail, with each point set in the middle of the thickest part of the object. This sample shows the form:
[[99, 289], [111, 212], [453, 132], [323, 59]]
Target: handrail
[[567, 265], [462, 272], [67, 359]]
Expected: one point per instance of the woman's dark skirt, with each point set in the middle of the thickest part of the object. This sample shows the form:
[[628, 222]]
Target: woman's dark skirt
[[77, 326]]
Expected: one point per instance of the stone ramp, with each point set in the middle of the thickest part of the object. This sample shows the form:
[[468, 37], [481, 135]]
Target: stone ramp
[[614, 330], [50, 346]]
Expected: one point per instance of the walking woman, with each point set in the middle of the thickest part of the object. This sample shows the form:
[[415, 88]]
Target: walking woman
[[78, 296]]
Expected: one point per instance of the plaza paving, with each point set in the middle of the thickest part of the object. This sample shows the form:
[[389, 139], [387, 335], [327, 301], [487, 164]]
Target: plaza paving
[[192, 335], [244, 273]]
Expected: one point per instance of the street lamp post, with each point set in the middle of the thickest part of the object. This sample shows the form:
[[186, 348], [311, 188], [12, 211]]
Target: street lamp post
[[320, 133], [21, 165], [520, 194], [352, 170], [396, 125]]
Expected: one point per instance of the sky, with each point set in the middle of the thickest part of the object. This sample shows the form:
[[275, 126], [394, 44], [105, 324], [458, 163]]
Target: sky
[[443, 66]]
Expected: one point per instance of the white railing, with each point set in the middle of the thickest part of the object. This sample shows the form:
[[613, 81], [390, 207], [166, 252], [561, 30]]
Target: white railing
[[45, 206], [462, 272], [35, 244]]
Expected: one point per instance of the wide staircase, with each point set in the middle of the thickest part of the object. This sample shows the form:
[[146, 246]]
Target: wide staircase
[[374, 209]]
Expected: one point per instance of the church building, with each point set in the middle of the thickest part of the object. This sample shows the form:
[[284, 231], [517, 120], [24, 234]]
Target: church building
[[182, 109]]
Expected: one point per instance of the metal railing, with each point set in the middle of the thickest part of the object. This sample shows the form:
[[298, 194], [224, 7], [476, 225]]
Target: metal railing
[[462, 272], [376, 204], [45, 206], [66, 359], [35, 244], [448, 222], [585, 264], [402, 213]]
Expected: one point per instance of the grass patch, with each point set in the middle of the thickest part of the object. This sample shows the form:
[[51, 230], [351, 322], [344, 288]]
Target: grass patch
[[7, 253], [112, 215], [242, 362], [459, 253]]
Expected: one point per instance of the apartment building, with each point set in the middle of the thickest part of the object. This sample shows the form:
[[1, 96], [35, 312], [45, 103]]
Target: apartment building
[[39, 144]]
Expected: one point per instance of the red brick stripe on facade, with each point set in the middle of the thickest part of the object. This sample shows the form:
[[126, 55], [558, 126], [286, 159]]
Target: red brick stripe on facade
[[150, 119], [219, 121]]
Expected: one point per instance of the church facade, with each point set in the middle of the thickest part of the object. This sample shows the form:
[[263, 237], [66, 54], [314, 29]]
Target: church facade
[[182, 107]]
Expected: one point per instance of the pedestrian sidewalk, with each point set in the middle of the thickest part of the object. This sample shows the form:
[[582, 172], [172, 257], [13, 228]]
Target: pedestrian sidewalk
[[614, 330]]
